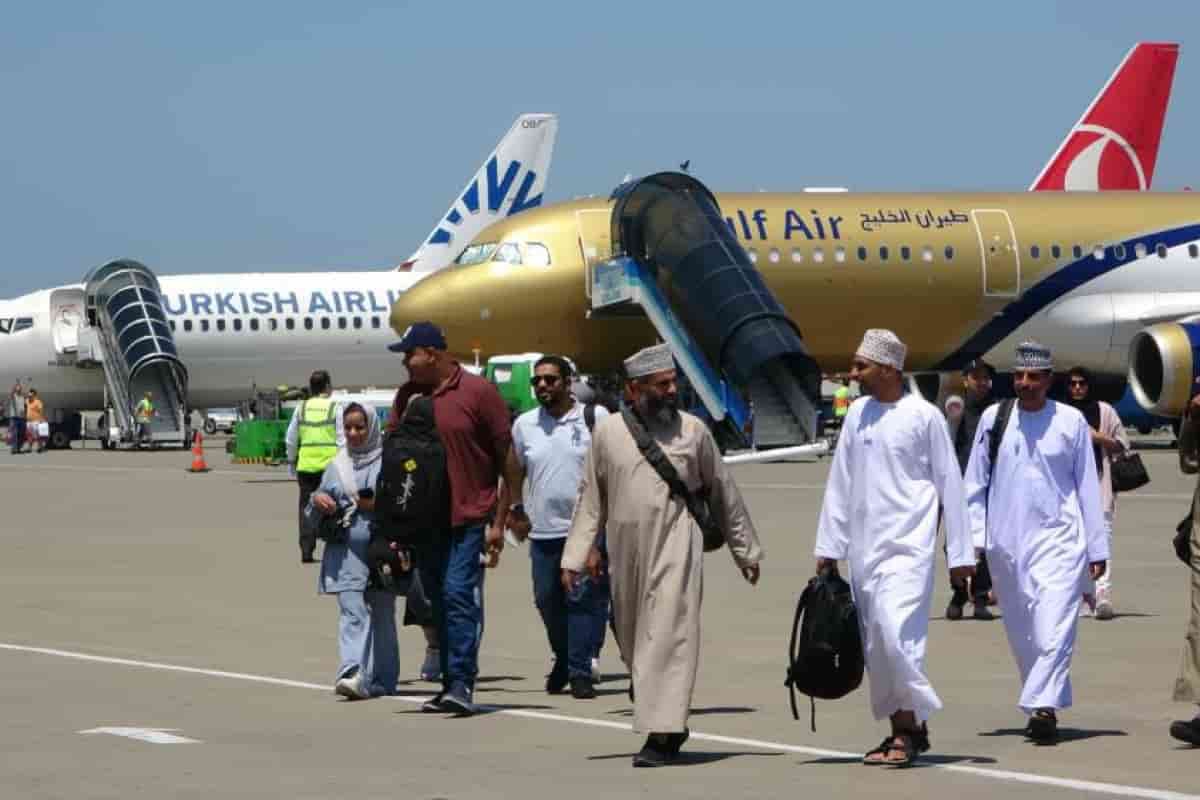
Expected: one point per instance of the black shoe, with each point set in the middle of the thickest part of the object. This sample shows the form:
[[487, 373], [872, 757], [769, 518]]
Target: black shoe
[[556, 682], [656, 752], [982, 612], [631, 698], [1043, 727], [583, 689], [954, 611], [675, 741], [458, 701], [307, 558], [1186, 731], [435, 704]]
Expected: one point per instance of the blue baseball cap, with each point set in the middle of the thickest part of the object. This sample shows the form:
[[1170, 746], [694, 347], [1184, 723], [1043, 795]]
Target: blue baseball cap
[[420, 334]]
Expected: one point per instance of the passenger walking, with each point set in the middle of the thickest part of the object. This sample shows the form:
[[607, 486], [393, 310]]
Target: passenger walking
[[549, 446], [473, 423], [977, 396], [368, 649], [16, 409], [313, 437], [894, 463], [1108, 440], [655, 546], [1037, 509], [1187, 685], [36, 420]]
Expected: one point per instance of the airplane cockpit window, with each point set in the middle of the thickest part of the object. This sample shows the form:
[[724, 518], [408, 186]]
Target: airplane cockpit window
[[537, 254], [508, 253], [22, 324], [475, 254]]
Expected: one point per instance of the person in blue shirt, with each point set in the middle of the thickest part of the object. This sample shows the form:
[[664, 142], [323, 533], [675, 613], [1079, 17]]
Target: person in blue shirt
[[367, 643], [549, 446]]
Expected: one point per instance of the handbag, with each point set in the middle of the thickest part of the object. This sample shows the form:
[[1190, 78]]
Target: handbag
[[1128, 473], [1183, 540], [696, 502]]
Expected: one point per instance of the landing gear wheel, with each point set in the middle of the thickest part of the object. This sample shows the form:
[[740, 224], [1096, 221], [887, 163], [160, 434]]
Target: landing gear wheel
[[59, 440], [210, 426]]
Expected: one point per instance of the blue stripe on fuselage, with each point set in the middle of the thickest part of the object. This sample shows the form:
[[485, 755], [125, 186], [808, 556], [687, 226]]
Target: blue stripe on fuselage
[[1053, 287]]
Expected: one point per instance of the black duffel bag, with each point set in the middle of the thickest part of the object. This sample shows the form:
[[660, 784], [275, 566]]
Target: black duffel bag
[[1128, 473]]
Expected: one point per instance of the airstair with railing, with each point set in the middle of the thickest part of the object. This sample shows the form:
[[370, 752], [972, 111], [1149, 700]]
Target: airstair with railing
[[670, 254], [125, 331]]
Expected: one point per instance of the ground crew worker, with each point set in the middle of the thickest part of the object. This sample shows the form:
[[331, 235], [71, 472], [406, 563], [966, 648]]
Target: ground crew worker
[[313, 438], [841, 401], [145, 413]]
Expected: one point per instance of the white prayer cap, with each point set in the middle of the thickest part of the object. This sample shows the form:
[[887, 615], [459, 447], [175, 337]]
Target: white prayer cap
[[954, 400], [1033, 356], [882, 347], [649, 361]]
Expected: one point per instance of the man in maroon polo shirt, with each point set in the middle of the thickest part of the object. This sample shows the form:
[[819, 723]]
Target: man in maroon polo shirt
[[473, 423]]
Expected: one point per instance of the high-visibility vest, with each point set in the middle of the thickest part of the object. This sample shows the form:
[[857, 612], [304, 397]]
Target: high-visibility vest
[[841, 401], [318, 434]]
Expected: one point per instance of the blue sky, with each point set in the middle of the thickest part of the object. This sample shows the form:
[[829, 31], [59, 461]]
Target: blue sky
[[267, 136]]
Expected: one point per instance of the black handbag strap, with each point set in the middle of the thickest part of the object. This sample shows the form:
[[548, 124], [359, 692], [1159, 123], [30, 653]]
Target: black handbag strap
[[662, 465], [996, 435]]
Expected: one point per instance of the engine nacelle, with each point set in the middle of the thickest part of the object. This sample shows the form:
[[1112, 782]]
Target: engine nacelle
[[1164, 364]]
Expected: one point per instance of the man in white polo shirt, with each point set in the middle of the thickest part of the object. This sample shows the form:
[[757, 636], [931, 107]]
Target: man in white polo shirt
[[550, 444]]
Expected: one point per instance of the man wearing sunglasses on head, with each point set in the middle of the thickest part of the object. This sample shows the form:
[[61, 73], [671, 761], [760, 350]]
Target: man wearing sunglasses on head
[[550, 444]]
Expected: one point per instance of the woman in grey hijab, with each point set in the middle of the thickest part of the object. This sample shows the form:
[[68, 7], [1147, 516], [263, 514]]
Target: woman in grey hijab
[[367, 644]]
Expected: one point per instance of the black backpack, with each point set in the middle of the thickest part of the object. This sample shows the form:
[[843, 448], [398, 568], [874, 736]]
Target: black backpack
[[825, 657], [412, 493]]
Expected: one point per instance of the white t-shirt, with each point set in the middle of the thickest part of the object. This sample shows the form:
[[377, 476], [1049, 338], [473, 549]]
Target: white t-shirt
[[552, 451]]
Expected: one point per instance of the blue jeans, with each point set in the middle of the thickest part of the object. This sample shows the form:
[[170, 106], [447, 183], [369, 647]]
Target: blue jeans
[[574, 621], [16, 428], [452, 576]]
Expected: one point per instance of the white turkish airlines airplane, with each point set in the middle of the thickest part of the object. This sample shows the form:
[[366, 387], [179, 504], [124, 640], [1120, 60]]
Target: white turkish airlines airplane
[[237, 331]]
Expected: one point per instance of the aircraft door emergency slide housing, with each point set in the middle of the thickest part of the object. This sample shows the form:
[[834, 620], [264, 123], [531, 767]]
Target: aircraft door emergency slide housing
[[125, 330], [675, 257]]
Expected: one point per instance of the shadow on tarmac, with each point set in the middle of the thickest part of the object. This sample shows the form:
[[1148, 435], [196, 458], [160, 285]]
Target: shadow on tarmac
[[1065, 735], [690, 757]]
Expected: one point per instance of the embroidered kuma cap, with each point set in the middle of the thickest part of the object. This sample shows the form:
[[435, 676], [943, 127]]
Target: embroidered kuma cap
[[883, 347], [649, 361], [1033, 356]]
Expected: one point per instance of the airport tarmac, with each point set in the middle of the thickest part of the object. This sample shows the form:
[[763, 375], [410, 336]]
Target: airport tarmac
[[139, 596]]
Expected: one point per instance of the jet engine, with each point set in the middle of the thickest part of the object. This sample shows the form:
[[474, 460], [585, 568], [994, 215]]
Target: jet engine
[[1164, 365]]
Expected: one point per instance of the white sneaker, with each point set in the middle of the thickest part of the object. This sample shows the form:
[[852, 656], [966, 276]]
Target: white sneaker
[[1104, 606], [351, 688], [596, 676]]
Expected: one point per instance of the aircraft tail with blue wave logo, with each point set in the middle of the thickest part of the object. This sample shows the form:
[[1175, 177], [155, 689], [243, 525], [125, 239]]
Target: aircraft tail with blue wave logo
[[512, 179]]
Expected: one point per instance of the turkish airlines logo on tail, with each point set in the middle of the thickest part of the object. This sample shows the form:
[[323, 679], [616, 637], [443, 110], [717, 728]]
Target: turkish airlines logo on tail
[[1097, 158], [495, 190]]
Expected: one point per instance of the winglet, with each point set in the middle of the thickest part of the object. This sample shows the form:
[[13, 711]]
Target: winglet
[[1115, 143]]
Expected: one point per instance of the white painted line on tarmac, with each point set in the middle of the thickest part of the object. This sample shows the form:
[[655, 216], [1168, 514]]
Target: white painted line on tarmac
[[1008, 776], [151, 735]]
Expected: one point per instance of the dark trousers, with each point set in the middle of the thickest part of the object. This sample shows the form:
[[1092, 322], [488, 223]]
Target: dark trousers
[[574, 620], [976, 588], [452, 576], [309, 482], [16, 429]]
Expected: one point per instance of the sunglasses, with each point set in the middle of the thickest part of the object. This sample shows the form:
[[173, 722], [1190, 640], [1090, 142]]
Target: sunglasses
[[547, 379]]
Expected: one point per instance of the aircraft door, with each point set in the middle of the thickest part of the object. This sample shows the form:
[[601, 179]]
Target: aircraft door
[[595, 240], [66, 315], [999, 253]]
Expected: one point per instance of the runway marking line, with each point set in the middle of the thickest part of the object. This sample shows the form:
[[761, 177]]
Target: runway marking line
[[1009, 776]]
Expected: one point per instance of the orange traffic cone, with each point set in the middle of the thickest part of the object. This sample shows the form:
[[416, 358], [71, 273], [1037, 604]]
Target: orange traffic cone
[[198, 464]]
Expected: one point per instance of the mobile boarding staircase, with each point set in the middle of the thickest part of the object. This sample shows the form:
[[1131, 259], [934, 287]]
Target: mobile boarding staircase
[[126, 332], [673, 257]]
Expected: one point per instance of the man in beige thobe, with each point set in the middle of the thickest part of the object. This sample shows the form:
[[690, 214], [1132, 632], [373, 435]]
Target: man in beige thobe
[[655, 547]]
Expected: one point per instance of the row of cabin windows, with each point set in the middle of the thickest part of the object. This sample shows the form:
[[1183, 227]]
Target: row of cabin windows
[[840, 254], [274, 324]]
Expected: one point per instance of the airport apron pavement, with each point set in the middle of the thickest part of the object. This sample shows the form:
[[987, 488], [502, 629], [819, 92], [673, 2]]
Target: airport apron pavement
[[160, 638]]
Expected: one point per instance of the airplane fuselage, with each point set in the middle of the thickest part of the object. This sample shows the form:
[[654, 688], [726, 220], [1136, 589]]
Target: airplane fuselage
[[955, 275]]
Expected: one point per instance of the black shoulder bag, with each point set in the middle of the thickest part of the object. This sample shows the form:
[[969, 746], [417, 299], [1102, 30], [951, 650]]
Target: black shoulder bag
[[1128, 472], [697, 503]]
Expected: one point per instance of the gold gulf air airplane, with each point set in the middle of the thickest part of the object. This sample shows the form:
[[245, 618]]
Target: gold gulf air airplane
[[1097, 276]]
